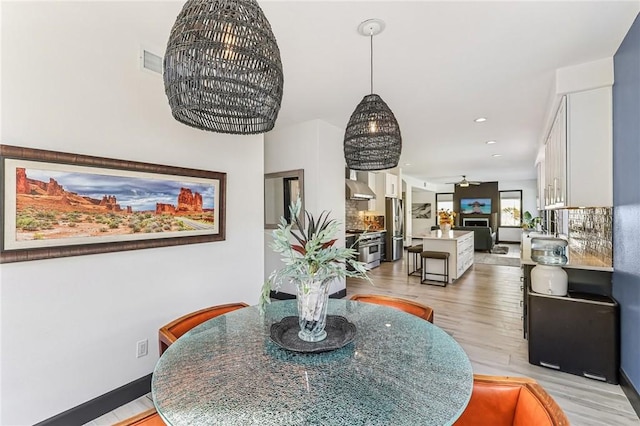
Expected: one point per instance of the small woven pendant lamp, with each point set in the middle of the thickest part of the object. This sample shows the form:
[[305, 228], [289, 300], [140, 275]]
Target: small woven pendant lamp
[[222, 67], [372, 139]]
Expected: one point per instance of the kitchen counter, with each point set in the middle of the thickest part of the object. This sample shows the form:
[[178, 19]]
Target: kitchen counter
[[578, 262], [575, 260]]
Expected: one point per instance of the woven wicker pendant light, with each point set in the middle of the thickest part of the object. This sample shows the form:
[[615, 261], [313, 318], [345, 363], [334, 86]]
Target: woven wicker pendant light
[[222, 67], [372, 139]]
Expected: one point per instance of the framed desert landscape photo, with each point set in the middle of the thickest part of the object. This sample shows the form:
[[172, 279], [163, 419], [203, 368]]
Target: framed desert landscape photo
[[58, 204]]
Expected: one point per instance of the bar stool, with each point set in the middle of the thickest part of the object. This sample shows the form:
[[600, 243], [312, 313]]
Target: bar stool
[[415, 251], [442, 255]]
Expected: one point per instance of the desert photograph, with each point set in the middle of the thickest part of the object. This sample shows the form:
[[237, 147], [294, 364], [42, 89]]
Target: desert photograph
[[55, 205]]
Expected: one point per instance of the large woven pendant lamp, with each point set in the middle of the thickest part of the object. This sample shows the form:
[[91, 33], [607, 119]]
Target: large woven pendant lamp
[[222, 67], [372, 139]]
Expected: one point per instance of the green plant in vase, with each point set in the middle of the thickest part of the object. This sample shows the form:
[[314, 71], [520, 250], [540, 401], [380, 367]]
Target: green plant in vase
[[529, 221], [312, 262]]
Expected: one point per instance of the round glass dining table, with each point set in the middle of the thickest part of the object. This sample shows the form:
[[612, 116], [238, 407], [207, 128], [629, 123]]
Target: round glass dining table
[[399, 370]]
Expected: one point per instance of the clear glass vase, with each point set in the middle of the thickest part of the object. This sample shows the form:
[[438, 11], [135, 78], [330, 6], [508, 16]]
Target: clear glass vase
[[313, 298]]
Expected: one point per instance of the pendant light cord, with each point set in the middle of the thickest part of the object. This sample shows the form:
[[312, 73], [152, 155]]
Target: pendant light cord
[[371, 49]]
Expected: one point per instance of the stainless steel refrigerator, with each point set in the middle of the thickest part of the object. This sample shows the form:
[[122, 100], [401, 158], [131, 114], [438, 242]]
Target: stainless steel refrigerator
[[394, 220]]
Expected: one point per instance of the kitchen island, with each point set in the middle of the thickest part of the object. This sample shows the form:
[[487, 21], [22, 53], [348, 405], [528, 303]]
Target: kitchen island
[[459, 245]]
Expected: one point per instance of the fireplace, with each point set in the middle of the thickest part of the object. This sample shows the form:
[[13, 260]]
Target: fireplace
[[476, 221]]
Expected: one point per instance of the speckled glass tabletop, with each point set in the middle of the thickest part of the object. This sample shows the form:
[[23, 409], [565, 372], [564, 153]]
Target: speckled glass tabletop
[[400, 370]]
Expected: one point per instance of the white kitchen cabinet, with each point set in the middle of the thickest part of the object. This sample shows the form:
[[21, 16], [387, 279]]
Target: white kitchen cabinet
[[390, 183], [465, 254], [541, 201], [578, 164], [555, 156]]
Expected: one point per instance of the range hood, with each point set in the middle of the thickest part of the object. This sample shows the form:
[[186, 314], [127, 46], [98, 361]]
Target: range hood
[[357, 190]]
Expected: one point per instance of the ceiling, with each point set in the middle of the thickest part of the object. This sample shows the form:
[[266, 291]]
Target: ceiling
[[440, 65]]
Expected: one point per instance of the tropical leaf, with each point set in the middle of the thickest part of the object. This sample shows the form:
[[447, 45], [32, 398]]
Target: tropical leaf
[[329, 243], [314, 255], [299, 249]]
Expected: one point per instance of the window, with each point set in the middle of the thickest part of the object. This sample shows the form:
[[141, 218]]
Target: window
[[510, 208], [444, 201]]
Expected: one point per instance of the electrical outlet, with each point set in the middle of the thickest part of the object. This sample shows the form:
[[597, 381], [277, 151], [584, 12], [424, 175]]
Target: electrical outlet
[[142, 348]]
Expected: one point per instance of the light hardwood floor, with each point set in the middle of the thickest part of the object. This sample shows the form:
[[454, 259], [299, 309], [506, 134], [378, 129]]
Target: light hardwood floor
[[124, 412], [481, 310]]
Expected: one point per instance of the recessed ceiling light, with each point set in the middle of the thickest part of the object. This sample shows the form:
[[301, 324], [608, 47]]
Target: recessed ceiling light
[[480, 119], [490, 142], [497, 155]]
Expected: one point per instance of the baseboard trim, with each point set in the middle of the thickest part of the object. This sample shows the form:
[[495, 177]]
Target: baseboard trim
[[100, 405], [286, 296], [630, 392]]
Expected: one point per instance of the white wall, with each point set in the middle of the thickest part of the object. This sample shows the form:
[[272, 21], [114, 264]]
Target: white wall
[[316, 147], [70, 82], [423, 226], [415, 186]]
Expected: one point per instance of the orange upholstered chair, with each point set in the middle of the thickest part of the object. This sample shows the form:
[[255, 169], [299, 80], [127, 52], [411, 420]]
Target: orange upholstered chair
[[148, 418], [170, 332], [506, 401], [409, 306]]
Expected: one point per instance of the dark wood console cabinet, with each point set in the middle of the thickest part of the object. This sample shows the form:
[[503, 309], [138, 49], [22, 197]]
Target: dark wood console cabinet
[[579, 333]]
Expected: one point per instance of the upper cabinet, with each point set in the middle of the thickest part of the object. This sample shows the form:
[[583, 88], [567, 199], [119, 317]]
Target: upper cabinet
[[390, 183], [577, 170], [555, 154], [542, 192]]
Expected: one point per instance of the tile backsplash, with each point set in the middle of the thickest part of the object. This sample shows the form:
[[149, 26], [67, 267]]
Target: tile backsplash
[[590, 232], [356, 218]]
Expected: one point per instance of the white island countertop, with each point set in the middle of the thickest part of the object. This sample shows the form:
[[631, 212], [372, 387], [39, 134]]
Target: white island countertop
[[439, 235]]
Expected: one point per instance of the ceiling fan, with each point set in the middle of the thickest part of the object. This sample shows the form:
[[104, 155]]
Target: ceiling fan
[[464, 182]]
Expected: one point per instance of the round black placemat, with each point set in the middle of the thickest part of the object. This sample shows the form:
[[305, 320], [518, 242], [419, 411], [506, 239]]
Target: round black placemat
[[340, 332]]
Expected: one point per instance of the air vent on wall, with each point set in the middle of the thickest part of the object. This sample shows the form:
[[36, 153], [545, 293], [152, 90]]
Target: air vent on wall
[[150, 61]]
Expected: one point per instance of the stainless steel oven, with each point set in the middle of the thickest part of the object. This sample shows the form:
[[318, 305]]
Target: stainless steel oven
[[369, 250]]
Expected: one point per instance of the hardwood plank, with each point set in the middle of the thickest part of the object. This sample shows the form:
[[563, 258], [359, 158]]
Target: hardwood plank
[[482, 311], [124, 412]]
